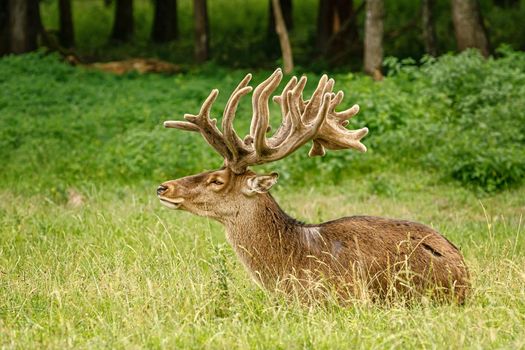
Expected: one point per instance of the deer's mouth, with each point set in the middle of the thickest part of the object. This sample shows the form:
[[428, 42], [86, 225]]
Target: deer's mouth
[[171, 203]]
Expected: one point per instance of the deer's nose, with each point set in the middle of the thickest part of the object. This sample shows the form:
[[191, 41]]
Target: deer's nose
[[161, 189]]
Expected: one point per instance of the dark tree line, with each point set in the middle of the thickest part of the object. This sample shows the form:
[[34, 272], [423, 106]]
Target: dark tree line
[[165, 24], [123, 22], [19, 26], [66, 31], [337, 30], [337, 35]]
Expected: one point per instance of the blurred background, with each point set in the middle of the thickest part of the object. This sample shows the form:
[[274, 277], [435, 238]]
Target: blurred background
[[323, 33]]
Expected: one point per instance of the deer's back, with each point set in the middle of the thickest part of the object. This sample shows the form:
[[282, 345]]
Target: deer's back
[[389, 252]]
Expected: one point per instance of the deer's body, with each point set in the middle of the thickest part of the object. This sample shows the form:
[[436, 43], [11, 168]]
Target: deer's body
[[359, 254], [353, 256]]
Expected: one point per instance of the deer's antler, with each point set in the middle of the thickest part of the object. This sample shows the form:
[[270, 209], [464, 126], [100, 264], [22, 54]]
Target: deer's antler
[[312, 120]]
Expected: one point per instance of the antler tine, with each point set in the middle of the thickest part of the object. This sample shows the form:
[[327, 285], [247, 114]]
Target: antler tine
[[194, 121], [298, 91], [347, 114], [304, 133], [204, 112], [206, 126], [181, 125], [333, 134], [329, 86], [279, 99], [261, 112], [313, 105], [256, 98], [234, 143], [338, 98], [285, 124], [292, 101]]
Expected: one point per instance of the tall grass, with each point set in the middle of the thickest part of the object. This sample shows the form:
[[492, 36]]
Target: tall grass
[[123, 272], [114, 269]]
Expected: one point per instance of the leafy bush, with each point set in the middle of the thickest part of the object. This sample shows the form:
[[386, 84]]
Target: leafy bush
[[475, 119], [461, 116]]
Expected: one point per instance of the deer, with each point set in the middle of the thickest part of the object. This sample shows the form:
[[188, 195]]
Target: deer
[[350, 257]]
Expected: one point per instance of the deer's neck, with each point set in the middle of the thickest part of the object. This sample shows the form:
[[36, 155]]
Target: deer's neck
[[267, 240], [263, 215]]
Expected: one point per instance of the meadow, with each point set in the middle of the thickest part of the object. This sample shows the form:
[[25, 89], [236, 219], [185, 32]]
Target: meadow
[[90, 259]]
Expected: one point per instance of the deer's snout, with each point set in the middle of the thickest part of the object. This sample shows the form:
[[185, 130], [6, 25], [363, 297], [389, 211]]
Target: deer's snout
[[161, 189]]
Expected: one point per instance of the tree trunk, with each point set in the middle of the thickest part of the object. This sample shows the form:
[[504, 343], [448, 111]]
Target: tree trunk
[[507, 3], [24, 25], [325, 24], [4, 27], [343, 9], [337, 33], [280, 28], [344, 41], [165, 26], [272, 40], [66, 31], [202, 30], [123, 23], [429, 29], [287, 10], [373, 56], [468, 26]]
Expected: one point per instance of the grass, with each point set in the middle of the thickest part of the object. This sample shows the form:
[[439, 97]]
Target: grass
[[123, 272]]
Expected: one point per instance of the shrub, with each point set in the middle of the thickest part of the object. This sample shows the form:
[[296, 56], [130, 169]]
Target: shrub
[[460, 115]]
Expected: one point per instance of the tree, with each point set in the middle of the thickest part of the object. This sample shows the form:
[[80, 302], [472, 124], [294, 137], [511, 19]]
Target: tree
[[373, 56], [428, 25], [345, 41], [165, 26], [24, 25], [272, 38], [280, 28], [123, 22], [202, 30], [337, 33], [4, 27], [66, 32], [287, 11], [507, 3], [468, 26], [325, 24]]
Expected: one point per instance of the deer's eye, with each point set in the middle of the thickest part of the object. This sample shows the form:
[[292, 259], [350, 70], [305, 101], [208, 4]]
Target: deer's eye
[[216, 182]]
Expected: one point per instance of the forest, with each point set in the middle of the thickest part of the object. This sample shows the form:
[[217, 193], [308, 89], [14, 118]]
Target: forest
[[89, 258], [324, 34]]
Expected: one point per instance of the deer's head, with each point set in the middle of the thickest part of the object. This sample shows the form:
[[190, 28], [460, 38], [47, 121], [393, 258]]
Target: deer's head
[[221, 192]]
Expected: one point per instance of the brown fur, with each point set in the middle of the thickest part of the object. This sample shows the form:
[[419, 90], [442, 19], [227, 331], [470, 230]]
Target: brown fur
[[354, 256]]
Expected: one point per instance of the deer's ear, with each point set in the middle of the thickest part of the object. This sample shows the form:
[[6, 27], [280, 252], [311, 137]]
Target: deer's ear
[[260, 183]]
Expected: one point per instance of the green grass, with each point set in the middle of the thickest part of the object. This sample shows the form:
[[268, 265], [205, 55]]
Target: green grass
[[121, 271], [124, 272]]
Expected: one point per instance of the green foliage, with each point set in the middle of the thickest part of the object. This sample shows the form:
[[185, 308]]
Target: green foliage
[[461, 116], [472, 125]]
